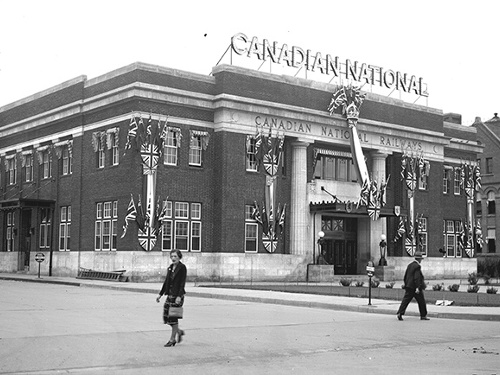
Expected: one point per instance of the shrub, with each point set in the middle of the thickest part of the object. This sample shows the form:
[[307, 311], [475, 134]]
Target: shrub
[[473, 289], [437, 287], [345, 282], [375, 282], [390, 285], [491, 290], [486, 280], [472, 279], [488, 266], [453, 288], [359, 283]]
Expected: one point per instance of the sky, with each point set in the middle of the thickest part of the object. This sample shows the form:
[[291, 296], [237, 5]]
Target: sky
[[452, 45]]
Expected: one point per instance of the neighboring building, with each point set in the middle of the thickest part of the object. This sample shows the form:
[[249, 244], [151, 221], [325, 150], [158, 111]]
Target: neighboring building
[[488, 133], [67, 178]]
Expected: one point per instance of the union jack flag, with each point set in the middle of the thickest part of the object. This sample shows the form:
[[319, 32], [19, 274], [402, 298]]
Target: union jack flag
[[150, 155], [132, 133], [131, 215], [147, 239], [401, 229]]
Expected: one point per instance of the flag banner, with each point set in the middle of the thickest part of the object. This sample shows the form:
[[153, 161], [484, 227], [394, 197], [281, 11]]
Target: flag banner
[[147, 239], [131, 215]]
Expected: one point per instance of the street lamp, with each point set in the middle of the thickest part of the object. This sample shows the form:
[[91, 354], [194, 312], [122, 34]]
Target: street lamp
[[383, 247], [321, 234]]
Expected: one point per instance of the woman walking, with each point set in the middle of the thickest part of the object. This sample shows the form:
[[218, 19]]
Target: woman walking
[[173, 288]]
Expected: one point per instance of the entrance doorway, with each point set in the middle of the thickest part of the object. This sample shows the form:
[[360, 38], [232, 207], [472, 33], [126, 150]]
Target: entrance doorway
[[339, 245]]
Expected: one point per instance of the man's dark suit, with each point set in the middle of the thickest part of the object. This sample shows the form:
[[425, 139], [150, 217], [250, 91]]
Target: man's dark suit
[[414, 280]]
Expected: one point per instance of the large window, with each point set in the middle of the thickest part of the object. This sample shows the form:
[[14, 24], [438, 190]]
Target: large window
[[10, 231], [11, 170], [491, 203], [106, 230], [27, 171], [65, 228], [45, 225], [251, 230], [195, 150], [182, 226], [335, 168], [453, 237], [251, 154]]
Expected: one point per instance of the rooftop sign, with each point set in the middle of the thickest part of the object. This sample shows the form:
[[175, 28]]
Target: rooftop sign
[[297, 57]]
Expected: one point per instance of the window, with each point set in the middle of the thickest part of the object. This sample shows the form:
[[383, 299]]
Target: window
[[479, 208], [101, 155], [335, 168], [251, 230], [489, 165], [491, 203], [46, 164], [182, 230], [28, 167], [251, 154], [11, 170], [171, 145], [452, 231], [65, 228], [195, 150], [10, 231], [456, 181], [106, 230], [45, 225], [67, 161], [422, 232], [446, 180], [423, 181], [115, 152]]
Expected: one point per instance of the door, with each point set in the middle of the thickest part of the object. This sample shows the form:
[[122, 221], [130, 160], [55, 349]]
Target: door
[[343, 255], [25, 240]]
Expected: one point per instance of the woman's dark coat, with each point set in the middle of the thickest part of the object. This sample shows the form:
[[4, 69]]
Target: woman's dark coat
[[178, 281]]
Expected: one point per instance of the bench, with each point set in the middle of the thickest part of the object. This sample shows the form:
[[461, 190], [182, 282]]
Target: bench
[[85, 273]]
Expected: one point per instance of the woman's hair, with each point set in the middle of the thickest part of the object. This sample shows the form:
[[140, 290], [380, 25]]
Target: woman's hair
[[178, 252]]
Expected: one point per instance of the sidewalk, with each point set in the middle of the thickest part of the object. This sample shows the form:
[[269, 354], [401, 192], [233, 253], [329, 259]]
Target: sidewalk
[[379, 306]]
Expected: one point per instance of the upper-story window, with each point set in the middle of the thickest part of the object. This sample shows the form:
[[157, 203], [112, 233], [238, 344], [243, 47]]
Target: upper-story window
[[27, 167], [198, 143], [251, 154], [447, 173], [11, 170], [491, 203], [46, 164], [114, 150], [489, 166], [171, 145], [337, 168], [456, 181]]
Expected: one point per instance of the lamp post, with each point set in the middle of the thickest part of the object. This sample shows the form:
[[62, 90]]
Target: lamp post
[[383, 247], [321, 234]]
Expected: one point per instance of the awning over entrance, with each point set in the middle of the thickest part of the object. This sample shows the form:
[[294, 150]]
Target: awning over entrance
[[12, 204], [350, 209]]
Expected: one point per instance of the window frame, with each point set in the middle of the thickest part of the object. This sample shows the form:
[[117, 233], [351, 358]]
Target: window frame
[[65, 228], [195, 151], [106, 218], [251, 164], [170, 152]]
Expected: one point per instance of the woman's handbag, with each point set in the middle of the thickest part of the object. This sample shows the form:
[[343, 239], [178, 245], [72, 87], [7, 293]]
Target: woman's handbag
[[175, 312]]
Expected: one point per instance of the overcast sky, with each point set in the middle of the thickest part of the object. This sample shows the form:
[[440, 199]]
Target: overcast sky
[[452, 45]]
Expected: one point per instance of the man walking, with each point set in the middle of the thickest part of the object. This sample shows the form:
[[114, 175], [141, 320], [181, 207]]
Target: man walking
[[414, 288]]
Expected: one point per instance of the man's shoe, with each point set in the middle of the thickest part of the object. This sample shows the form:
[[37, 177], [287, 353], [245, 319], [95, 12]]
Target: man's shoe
[[400, 317], [424, 318]]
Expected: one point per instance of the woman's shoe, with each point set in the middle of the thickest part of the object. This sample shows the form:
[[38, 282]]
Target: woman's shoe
[[179, 336], [170, 343]]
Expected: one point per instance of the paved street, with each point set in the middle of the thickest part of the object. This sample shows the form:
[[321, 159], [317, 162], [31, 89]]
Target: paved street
[[55, 329]]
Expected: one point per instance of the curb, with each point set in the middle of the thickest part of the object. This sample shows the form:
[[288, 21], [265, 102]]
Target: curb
[[275, 301]]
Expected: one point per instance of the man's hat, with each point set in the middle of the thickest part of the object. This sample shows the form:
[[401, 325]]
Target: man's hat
[[418, 255]]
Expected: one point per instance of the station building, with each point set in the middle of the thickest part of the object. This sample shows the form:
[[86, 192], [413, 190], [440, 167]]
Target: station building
[[70, 180]]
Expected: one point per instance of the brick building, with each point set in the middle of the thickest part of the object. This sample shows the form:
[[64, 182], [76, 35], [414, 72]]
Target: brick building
[[67, 178], [489, 135]]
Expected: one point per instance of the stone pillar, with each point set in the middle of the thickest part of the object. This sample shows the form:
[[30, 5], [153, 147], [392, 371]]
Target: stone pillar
[[299, 210], [377, 227]]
